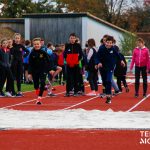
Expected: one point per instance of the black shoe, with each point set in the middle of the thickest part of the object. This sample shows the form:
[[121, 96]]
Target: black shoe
[[144, 95], [38, 103], [2, 94], [75, 94], [51, 94], [136, 95], [116, 93], [102, 95], [67, 95], [108, 101]]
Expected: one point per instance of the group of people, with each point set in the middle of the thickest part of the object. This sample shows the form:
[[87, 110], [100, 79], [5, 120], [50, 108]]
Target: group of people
[[44, 63]]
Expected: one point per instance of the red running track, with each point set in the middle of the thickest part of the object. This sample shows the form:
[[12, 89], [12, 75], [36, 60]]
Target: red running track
[[74, 139]]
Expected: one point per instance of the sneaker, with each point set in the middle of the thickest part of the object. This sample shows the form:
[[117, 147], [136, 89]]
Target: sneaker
[[102, 95], [38, 102], [8, 94], [108, 101], [144, 95], [51, 94], [19, 94], [2, 94], [136, 95], [75, 94], [67, 95], [93, 93], [127, 90], [116, 93]]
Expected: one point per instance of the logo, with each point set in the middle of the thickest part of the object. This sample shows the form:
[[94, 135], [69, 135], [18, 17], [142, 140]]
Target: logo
[[145, 137], [41, 55]]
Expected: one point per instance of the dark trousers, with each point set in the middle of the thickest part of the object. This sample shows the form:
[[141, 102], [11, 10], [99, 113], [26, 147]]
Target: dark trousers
[[6, 74], [107, 80], [138, 71], [93, 77], [72, 78], [39, 81], [81, 83], [121, 79], [17, 70]]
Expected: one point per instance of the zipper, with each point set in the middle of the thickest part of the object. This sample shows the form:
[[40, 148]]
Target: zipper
[[140, 57]]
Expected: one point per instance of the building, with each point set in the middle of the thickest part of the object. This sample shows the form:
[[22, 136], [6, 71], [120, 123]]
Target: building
[[57, 27]]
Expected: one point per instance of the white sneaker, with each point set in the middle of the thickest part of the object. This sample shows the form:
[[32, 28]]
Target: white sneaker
[[8, 94]]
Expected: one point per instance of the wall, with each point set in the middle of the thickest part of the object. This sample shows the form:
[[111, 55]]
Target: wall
[[56, 30], [17, 25], [96, 30]]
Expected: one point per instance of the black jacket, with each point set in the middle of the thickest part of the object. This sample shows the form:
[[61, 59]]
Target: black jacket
[[73, 49], [39, 62], [5, 58], [18, 52], [120, 70]]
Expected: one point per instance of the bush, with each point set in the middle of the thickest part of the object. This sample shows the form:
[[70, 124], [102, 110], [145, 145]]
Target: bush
[[128, 43]]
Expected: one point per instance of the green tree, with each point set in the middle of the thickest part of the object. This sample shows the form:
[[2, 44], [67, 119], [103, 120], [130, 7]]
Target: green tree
[[15, 8], [128, 43]]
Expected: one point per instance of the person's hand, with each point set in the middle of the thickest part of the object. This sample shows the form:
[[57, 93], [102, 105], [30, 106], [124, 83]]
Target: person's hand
[[123, 64], [52, 72], [96, 67], [30, 77], [100, 65]]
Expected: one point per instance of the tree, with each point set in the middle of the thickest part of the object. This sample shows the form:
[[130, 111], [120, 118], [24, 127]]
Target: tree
[[13, 8], [128, 43]]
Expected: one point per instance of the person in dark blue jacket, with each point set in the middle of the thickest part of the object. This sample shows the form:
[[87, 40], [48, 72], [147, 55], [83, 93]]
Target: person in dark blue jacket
[[106, 59]]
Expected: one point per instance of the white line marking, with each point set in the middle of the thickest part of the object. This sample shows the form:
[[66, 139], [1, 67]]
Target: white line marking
[[86, 101], [27, 101], [138, 103], [81, 103], [31, 100]]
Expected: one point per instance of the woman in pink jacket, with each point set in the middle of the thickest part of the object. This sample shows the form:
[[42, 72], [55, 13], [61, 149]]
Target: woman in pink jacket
[[140, 58]]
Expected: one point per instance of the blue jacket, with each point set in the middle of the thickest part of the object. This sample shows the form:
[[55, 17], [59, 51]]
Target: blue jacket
[[108, 58]]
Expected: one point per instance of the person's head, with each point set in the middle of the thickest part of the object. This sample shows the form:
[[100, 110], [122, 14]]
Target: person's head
[[10, 42], [103, 40], [27, 43], [72, 38], [62, 47], [4, 43], [91, 43], [109, 42], [17, 38], [140, 43], [42, 42], [37, 43]]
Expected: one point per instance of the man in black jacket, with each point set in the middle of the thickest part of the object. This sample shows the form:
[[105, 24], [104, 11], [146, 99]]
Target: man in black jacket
[[72, 55]]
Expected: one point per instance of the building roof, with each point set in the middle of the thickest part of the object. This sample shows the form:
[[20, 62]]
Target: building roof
[[72, 15]]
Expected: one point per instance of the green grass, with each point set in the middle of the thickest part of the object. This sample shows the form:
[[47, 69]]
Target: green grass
[[27, 87]]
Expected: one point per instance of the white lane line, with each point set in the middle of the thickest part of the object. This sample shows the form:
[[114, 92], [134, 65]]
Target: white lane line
[[80, 103], [86, 101], [32, 100], [27, 101], [138, 103]]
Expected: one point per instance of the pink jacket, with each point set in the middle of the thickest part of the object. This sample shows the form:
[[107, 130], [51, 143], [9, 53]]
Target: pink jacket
[[140, 57]]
